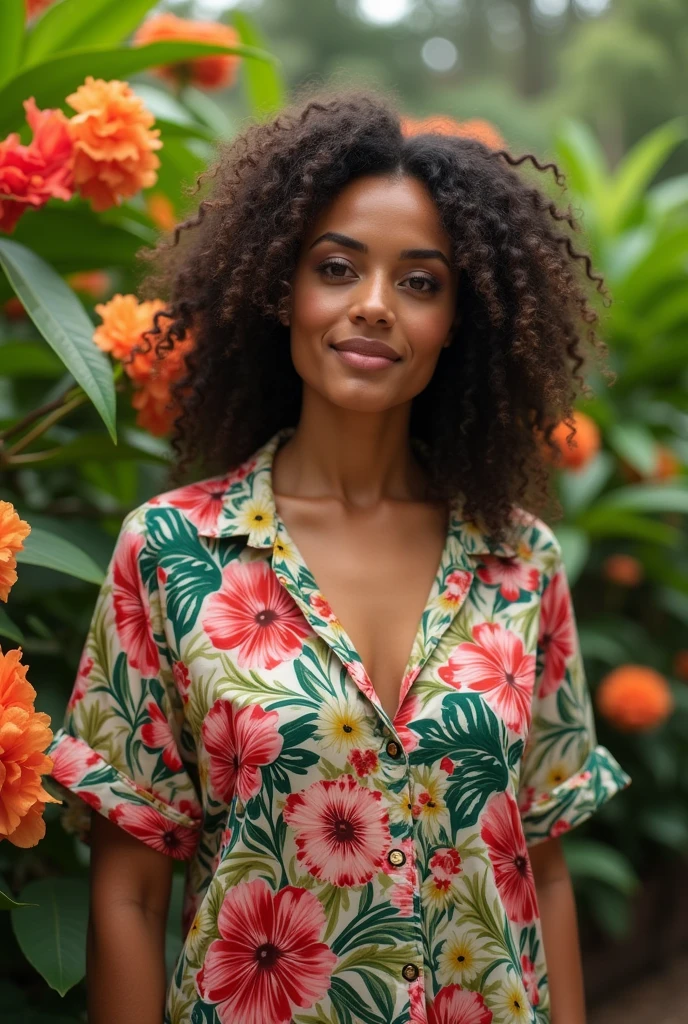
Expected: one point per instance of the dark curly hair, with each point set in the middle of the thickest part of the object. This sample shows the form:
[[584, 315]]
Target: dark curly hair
[[488, 412]]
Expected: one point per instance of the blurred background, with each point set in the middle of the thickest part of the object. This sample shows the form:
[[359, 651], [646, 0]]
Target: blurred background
[[600, 87]]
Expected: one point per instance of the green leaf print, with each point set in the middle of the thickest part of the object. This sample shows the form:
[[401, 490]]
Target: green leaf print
[[469, 734], [192, 571], [350, 1007]]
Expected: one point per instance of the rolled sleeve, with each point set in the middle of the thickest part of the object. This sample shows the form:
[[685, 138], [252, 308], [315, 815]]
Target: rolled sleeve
[[120, 750], [565, 774]]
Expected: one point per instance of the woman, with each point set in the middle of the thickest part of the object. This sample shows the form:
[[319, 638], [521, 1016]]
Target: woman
[[340, 678]]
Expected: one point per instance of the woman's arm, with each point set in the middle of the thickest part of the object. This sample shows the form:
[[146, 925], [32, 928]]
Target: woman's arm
[[559, 932], [125, 958]]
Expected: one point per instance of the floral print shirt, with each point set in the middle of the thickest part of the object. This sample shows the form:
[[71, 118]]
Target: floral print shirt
[[341, 867]]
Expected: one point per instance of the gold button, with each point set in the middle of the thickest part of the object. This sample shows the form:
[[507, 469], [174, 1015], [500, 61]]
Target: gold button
[[410, 972], [393, 749], [396, 858], [239, 809]]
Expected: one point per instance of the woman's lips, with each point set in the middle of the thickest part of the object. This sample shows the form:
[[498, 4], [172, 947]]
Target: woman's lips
[[366, 353]]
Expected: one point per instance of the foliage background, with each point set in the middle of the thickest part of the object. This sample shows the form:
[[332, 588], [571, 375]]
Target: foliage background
[[599, 86]]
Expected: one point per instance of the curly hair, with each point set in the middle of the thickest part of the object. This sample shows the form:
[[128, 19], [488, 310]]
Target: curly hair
[[486, 417]]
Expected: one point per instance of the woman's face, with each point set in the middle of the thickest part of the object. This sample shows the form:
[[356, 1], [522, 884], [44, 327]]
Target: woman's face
[[374, 268]]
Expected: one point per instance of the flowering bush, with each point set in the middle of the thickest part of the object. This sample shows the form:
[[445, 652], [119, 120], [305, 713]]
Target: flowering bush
[[206, 72]]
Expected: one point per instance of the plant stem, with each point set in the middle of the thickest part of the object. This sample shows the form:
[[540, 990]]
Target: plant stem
[[35, 414], [45, 424]]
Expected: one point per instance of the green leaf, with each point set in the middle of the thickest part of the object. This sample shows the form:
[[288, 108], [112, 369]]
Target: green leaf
[[610, 521], [171, 117], [53, 552], [638, 168], [587, 858], [92, 445], [51, 81], [52, 935], [63, 322], [8, 628], [97, 23], [580, 487], [20, 359], [583, 159], [72, 237], [12, 18], [263, 83], [7, 903], [634, 443], [670, 497], [575, 548]]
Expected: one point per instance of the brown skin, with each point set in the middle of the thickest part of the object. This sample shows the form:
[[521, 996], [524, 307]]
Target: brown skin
[[346, 481]]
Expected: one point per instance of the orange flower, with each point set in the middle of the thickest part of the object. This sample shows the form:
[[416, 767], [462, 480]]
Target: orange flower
[[667, 465], [583, 447], [24, 735], [31, 175], [215, 72], [440, 124], [161, 211], [680, 665], [36, 7], [13, 530], [625, 570], [125, 321], [634, 698], [93, 283], [14, 309], [114, 142]]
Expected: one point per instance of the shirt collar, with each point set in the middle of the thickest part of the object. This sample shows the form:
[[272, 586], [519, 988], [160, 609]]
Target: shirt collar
[[248, 506]]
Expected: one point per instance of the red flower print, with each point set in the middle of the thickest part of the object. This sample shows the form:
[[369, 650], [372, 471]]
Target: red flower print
[[269, 960], [182, 679], [157, 735], [512, 574], [526, 799], [131, 607], [530, 980], [240, 743], [407, 713], [253, 616], [360, 677], [445, 863], [417, 1002], [456, 1005], [202, 502], [456, 585], [447, 765], [559, 828], [364, 762], [342, 831], [496, 666], [503, 835], [90, 798], [556, 633], [321, 607], [154, 829], [72, 759]]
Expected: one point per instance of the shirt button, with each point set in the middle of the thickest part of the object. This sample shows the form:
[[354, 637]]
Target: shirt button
[[410, 972], [396, 858], [393, 749]]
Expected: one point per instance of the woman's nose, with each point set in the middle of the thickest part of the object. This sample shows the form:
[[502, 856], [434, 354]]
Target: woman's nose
[[372, 302]]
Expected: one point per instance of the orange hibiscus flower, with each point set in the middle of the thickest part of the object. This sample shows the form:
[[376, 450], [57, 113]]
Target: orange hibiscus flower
[[114, 142], [215, 72], [440, 124], [13, 531]]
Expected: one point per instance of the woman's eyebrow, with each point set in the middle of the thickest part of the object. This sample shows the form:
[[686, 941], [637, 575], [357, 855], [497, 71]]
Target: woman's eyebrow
[[353, 243]]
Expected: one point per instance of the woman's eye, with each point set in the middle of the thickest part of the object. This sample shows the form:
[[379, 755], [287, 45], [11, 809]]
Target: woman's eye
[[334, 268], [420, 280]]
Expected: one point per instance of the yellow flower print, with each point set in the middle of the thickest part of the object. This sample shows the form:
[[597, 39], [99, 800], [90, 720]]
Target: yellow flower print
[[459, 961], [429, 807], [344, 725], [255, 515], [556, 775], [511, 1004], [285, 550], [400, 808]]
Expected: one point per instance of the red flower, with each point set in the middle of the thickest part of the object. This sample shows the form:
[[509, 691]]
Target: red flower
[[407, 713], [72, 759], [322, 608], [342, 831], [502, 833], [240, 743], [269, 961], [445, 863], [530, 983], [31, 175], [447, 765], [157, 735], [456, 1005], [202, 502], [496, 666], [154, 829], [182, 679], [556, 633], [512, 574], [364, 762], [132, 618], [559, 828], [255, 617]]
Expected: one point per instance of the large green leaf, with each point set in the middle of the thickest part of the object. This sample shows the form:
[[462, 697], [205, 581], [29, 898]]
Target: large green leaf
[[263, 83], [12, 18], [92, 445], [53, 552], [6, 902], [73, 237], [52, 935], [583, 160], [28, 358], [604, 520], [97, 23], [635, 443], [8, 628], [669, 497], [50, 82], [63, 322], [637, 170], [587, 858]]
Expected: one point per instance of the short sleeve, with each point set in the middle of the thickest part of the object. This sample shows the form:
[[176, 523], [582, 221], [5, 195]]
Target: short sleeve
[[120, 751], [565, 775]]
